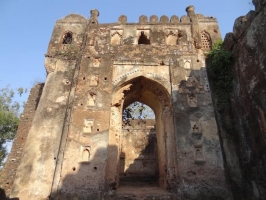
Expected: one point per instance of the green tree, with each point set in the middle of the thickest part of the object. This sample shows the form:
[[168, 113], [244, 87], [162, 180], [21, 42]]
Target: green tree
[[220, 73], [9, 117], [137, 110]]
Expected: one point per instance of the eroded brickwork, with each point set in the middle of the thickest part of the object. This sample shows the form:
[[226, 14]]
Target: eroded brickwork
[[9, 171]]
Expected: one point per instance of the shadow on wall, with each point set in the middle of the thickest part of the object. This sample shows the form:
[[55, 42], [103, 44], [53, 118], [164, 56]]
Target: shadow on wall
[[139, 158], [86, 179], [4, 197]]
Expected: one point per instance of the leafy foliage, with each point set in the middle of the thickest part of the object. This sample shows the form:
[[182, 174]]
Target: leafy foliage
[[9, 117], [220, 73], [137, 110], [221, 79]]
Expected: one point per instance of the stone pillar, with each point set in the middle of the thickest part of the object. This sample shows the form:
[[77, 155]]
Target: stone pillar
[[94, 16], [114, 147], [190, 11], [195, 26]]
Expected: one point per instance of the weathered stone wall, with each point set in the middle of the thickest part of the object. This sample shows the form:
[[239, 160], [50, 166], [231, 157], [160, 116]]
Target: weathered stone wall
[[138, 158], [96, 70], [245, 152], [9, 171]]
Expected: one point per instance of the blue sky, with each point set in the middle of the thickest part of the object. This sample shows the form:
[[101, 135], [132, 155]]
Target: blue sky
[[27, 25]]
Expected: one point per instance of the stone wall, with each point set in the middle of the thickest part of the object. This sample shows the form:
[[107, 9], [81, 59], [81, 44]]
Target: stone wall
[[138, 158], [9, 171], [75, 143], [245, 151]]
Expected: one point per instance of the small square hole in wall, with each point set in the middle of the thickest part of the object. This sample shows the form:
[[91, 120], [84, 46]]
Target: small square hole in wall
[[98, 129], [105, 78], [84, 78]]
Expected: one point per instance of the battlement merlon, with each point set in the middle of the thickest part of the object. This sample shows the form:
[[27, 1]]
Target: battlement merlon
[[68, 34]]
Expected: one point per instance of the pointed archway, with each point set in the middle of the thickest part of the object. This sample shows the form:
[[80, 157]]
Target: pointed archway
[[157, 97], [138, 163]]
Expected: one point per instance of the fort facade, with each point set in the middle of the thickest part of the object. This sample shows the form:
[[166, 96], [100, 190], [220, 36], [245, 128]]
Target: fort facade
[[76, 145]]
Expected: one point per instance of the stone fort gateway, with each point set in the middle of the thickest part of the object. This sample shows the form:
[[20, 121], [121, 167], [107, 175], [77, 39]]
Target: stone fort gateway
[[72, 142]]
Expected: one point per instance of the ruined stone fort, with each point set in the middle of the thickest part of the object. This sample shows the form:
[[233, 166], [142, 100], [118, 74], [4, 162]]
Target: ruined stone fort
[[73, 144]]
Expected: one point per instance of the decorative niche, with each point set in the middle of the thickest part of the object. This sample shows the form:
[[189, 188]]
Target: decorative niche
[[199, 154], [116, 37]]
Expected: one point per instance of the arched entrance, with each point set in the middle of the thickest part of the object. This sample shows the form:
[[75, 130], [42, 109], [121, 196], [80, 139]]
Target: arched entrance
[[158, 98], [138, 157]]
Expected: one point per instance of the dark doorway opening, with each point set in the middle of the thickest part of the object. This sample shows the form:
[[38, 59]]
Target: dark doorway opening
[[143, 39], [138, 157]]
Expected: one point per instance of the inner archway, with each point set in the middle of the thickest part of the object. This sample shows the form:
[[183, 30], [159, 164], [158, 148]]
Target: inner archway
[[157, 97], [138, 157]]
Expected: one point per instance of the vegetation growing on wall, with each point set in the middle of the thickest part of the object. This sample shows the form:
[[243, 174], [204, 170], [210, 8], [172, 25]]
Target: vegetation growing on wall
[[71, 52], [221, 79], [220, 74]]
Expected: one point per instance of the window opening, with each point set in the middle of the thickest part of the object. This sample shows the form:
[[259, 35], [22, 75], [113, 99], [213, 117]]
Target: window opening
[[143, 39], [205, 40], [67, 38]]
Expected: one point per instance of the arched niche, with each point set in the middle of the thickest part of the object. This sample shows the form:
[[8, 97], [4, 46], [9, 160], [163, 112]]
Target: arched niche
[[171, 38], [116, 38], [67, 38], [157, 97]]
